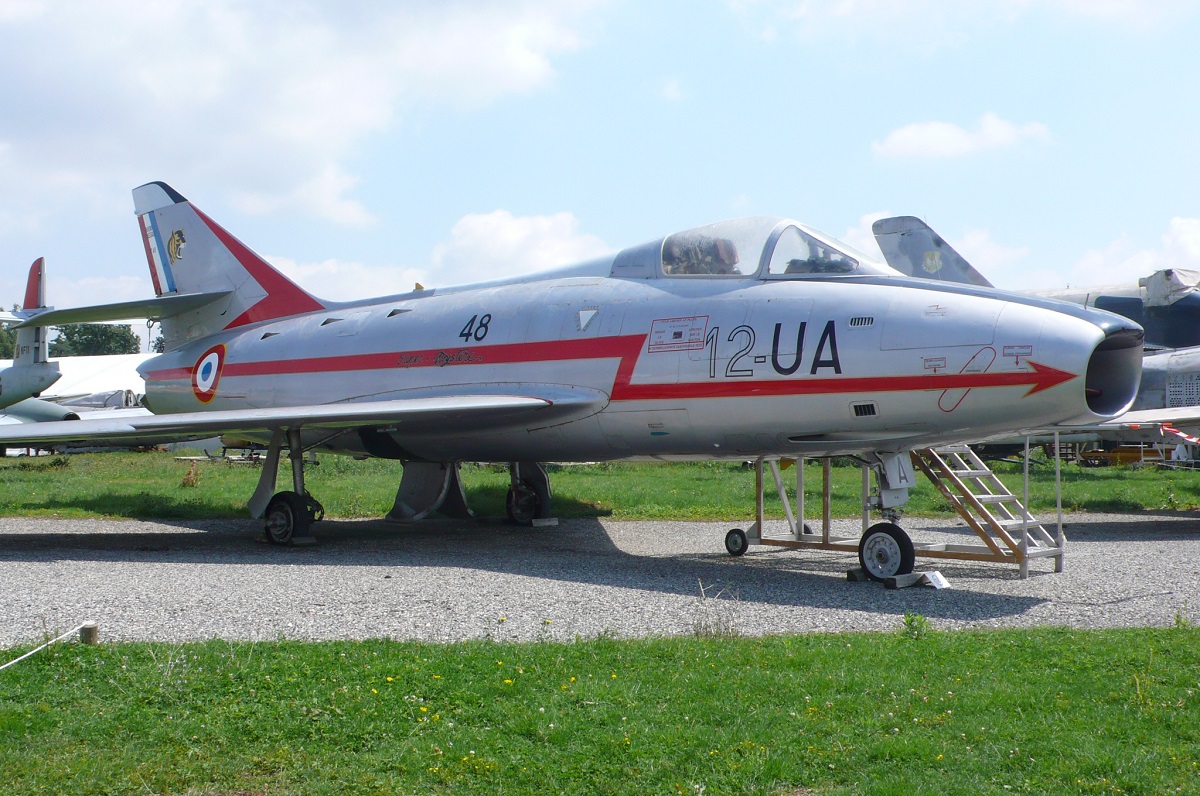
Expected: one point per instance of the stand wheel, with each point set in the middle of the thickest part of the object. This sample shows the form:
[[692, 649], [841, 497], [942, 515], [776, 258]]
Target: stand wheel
[[522, 504], [886, 551], [287, 517], [736, 542]]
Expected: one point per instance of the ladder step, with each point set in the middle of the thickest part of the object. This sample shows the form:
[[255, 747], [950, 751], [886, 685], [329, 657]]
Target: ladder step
[[990, 498], [1019, 523], [972, 473]]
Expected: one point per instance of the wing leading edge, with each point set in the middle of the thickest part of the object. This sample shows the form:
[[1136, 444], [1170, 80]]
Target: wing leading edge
[[461, 412]]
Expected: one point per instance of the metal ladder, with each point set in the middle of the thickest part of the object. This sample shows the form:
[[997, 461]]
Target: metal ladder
[[996, 515]]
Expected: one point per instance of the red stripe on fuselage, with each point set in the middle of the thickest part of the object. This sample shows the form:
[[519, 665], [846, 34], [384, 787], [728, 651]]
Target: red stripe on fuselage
[[628, 349]]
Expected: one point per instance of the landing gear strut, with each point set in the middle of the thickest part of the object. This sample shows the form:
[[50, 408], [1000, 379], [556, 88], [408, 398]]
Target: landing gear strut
[[528, 497], [287, 516]]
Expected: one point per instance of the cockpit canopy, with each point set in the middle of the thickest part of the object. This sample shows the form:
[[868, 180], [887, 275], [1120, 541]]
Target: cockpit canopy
[[766, 248]]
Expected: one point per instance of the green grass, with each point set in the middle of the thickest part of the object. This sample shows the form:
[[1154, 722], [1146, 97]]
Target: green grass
[[151, 485], [1030, 711], [915, 710]]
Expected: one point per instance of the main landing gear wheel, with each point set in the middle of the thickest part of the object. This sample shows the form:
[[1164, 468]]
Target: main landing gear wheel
[[288, 516], [522, 504], [886, 551], [736, 542]]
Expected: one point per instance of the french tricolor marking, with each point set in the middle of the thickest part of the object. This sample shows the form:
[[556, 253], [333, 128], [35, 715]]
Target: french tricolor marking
[[156, 256], [206, 375]]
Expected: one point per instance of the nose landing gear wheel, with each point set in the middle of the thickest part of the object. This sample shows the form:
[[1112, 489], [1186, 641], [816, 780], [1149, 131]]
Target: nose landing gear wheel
[[886, 551], [736, 542]]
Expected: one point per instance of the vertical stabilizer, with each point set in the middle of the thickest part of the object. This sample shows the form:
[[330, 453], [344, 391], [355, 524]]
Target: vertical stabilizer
[[31, 371], [911, 247], [189, 253]]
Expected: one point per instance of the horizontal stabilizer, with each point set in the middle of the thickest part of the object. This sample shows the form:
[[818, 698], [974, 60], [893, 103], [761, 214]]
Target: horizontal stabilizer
[[166, 306]]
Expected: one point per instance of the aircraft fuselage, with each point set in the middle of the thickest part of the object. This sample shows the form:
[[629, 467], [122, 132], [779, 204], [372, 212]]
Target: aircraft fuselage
[[671, 368]]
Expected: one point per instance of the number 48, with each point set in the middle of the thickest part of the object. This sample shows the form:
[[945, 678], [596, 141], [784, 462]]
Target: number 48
[[476, 328]]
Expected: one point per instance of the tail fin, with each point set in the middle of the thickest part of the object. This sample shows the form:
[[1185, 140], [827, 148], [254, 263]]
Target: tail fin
[[911, 247], [189, 253], [33, 342], [31, 371]]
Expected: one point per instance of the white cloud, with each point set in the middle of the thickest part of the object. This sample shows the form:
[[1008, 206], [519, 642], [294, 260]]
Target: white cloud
[[947, 140], [498, 244], [927, 25], [480, 247], [995, 261], [672, 90], [323, 196], [271, 101], [1121, 263], [862, 237], [1128, 13], [340, 280], [1181, 243]]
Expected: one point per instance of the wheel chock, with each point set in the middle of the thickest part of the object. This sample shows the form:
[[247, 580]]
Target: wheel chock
[[856, 575], [303, 541], [933, 578], [544, 522]]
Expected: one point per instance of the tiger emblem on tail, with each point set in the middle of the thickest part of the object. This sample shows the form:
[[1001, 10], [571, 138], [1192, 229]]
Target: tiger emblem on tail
[[175, 245]]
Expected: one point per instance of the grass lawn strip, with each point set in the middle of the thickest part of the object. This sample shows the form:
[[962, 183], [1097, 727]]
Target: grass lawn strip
[[1030, 711]]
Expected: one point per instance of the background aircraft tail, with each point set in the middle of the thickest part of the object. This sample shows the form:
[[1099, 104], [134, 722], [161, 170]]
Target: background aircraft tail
[[911, 247], [31, 371], [189, 254]]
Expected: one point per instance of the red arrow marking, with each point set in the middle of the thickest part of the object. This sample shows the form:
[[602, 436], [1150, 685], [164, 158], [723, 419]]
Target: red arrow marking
[[1042, 377]]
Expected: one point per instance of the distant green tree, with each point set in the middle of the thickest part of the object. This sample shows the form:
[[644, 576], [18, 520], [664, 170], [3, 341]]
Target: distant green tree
[[159, 344], [8, 339], [94, 339]]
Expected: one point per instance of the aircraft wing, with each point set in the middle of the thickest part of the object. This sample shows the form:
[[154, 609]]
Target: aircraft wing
[[457, 412], [1180, 424]]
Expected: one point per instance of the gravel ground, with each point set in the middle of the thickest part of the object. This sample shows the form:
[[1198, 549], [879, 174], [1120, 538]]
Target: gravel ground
[[447, 581]]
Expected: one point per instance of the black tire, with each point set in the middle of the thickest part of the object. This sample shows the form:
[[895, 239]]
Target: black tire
[[522, 505], [886, 551], [736, 542], [286, 518]]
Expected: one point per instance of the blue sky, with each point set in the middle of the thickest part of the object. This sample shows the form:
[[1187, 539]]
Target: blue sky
[[364, 146]]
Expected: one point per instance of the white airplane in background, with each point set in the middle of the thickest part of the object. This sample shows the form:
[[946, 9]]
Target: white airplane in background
[[756, 337], [30, 372], [34, 388], [86, 383]]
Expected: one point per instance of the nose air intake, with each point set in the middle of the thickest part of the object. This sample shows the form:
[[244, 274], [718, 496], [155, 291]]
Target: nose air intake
[[1114, 370]]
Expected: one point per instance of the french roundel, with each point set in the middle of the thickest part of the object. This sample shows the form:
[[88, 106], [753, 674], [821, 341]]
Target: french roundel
[[207, 373]]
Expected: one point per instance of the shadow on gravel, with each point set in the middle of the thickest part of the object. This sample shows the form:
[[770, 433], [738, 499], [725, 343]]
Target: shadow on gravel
[[1144, 526], [576, 551]]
